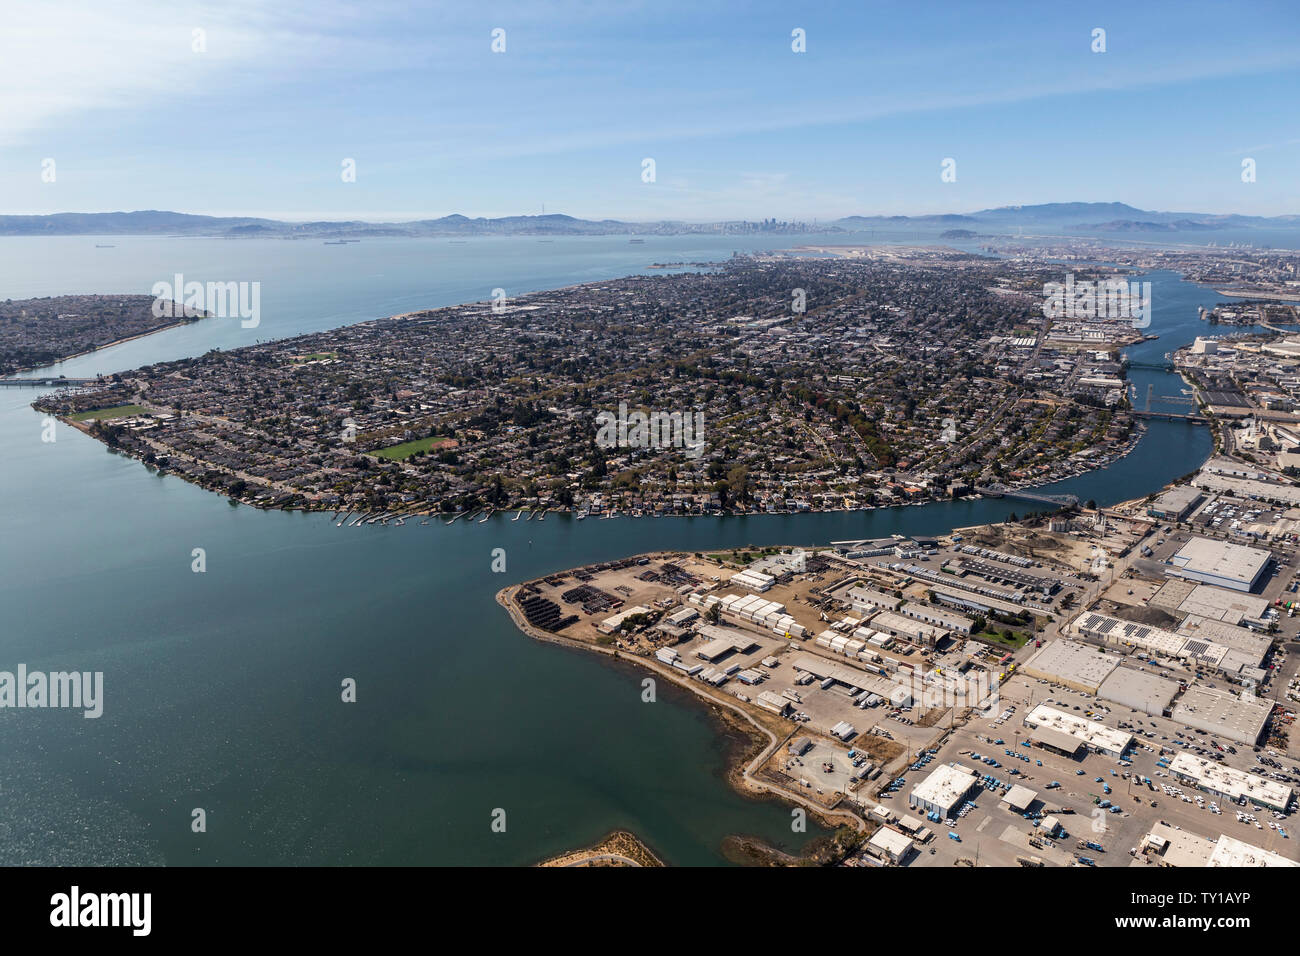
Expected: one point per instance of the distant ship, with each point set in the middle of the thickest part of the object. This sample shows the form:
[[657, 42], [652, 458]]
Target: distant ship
[[336, 242], [104, 246], [637, 241]]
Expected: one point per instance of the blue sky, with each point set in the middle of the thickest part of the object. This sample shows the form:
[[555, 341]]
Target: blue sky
[[738, 124]]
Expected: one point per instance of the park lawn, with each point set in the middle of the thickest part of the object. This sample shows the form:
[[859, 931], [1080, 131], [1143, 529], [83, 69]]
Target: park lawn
[[1020, 639], [120, 411], [408, 448]]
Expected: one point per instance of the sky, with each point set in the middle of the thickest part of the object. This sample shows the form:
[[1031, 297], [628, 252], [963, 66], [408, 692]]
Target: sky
[[125, 106]]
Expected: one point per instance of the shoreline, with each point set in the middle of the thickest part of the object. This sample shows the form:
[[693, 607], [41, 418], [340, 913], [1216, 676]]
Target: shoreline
[[106, 345], [741, 771]]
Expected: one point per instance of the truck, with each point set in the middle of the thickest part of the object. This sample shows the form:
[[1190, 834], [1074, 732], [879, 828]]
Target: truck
[[953, 836]]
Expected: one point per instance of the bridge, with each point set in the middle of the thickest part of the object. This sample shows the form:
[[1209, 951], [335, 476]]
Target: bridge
[[1022, 494], [1155, 366], [1172, 417], [57, 381]]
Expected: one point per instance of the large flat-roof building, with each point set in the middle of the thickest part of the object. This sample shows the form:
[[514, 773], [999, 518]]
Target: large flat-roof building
[[1232, 566], [1071, 664], [1175, 847], [944, 789], [1208, 601], [1176, 503], [1139, 690], [890, 844], [1128, 634], [1068, 733], [1229, 783], [1240, 719]]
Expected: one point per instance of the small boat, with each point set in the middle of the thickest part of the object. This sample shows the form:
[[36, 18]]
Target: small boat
[[581, 515]]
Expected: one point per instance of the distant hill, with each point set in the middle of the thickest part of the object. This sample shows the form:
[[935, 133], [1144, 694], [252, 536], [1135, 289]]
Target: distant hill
[[1063, 216], [155, 222], [1079, 216]]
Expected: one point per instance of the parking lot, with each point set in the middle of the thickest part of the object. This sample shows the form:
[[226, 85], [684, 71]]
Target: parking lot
[[997, 835]]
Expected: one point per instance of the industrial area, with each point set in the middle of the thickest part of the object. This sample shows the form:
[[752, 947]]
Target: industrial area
[[1112, 687]]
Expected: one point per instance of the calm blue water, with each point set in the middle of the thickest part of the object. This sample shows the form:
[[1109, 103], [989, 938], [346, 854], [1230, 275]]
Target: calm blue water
[[222, 688]]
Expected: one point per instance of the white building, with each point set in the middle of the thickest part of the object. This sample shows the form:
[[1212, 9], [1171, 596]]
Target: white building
[[1229, 783], [1240, 719], [1232, 566], [1068, 732], [890, 844], [944, 789]]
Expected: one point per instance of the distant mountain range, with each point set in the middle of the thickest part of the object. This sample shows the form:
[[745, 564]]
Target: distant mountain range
[[157, 223], [1098, 217], [1078, 216]]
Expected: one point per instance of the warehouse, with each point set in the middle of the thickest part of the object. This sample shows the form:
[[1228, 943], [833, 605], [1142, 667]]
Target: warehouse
[[895, 625], [1232, 566], [1249, 645], [1175, 504], [1240, 719], [1287, 495], [773, 702], [1174, 847], [870, 599], [611, 624], [943, 791], [1053, 727], [946, 620], [683, 616], [854, 679], [1070, 664], [754, 580], [890, 845], [1128, 634], [1139, 691], [1220, 781], [724, 644], [1205, 600], [1229, 851]]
